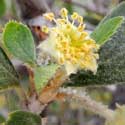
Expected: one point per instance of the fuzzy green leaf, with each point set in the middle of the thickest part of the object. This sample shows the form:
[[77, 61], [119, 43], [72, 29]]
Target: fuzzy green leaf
[[111, 69], [104, 31], [23, 118], [2, 7], [43, 74], [19, 41], [8, 75]]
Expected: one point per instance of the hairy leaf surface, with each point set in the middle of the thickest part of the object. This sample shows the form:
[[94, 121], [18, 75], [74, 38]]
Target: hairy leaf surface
[[23, 118], [104, 31], [19, 41], [8, 75]]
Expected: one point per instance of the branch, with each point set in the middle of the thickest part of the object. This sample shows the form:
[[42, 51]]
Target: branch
[[87, 102], [32, 83]]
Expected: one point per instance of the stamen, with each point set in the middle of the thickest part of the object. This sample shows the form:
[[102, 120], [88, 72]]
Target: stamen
[[63, 12], [61, 21], [80, 19], [83, 35], [74, 16], [49, 16], [45, 29], [81, 27]]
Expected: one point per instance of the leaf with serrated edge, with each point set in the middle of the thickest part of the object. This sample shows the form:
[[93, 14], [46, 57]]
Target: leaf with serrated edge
[[23, 118], [19, 41], [8, 75]]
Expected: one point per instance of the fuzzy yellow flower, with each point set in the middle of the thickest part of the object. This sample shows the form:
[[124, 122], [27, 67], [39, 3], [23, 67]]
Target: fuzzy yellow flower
[[69, 44]]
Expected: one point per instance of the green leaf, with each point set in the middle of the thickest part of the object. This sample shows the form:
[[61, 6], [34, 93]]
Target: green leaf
[[104, 31], [2, 119], [43, 74], [111, 69], [13, 100], [8, 75], [23, 118], [19, 41], [2, 7]]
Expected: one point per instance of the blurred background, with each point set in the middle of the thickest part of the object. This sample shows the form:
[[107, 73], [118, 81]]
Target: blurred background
[[30, 12]]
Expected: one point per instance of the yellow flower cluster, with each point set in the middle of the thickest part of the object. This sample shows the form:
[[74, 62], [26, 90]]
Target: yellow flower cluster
[[69, 44]]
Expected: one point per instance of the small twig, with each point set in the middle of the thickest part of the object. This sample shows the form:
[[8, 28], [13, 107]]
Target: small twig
[[32, 83], [88, 103]]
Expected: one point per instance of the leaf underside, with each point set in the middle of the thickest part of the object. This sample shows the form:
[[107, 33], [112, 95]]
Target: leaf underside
[[19, 41], [23, 118], [8, 75], [111, 69]]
